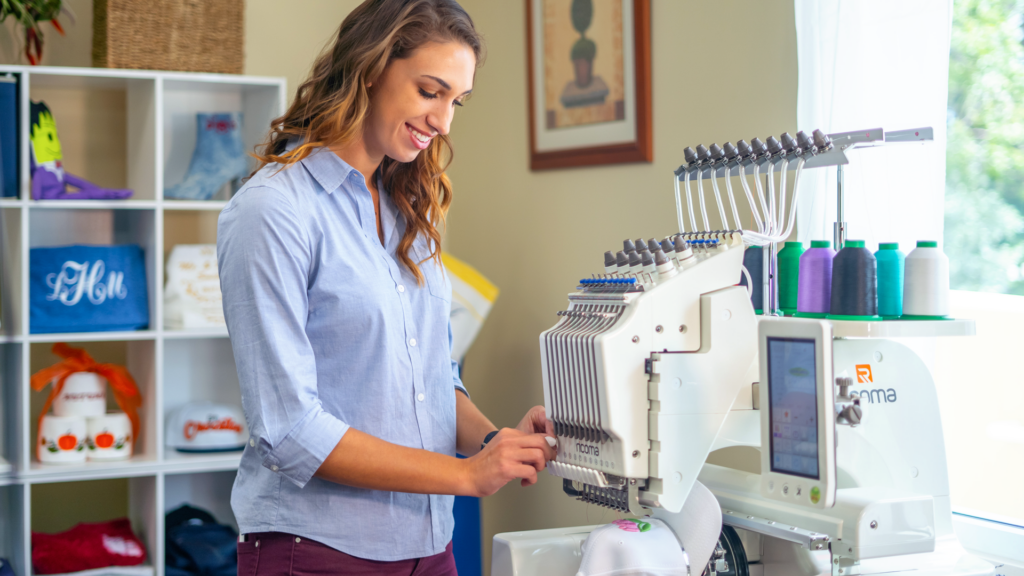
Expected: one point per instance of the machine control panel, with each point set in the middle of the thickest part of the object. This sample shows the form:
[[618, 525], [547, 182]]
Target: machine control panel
[[798, 463]]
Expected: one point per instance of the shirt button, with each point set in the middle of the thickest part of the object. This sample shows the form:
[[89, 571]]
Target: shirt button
[[412, 341], [420, 396], [274, 467], [252, 442], [401, 288]]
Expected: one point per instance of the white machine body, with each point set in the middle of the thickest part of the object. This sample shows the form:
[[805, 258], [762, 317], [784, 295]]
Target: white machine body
[[602, 366], [645, 381]]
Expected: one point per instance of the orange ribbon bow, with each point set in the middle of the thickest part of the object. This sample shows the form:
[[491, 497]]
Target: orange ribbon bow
[[126, 392]]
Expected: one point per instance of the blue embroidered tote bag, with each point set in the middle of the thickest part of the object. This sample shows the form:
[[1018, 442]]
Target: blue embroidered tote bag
[[87, 289]]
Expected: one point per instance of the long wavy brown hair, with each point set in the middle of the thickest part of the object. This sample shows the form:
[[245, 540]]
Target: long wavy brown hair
[[331, 105]]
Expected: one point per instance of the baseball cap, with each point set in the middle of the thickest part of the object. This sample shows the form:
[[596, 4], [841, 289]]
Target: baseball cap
[[206, 427]]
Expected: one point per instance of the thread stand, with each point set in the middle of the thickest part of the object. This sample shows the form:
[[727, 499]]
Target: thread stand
[[787, 154]]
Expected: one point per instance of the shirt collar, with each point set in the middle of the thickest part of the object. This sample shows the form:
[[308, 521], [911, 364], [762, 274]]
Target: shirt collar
[[327, 168]]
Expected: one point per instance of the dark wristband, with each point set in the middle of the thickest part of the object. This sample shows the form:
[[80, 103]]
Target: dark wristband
[[488, 438]]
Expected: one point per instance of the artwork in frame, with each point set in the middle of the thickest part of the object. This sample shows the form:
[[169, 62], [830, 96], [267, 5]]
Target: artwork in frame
[[589, 76]]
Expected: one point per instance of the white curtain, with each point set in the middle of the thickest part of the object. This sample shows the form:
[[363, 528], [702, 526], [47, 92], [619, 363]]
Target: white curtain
[[875, 64]]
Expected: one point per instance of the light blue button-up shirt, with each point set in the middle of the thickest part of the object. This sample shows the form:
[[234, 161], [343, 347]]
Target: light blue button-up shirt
[[330, 330]]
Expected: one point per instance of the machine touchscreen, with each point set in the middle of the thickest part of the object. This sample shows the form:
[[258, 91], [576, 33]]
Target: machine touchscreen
[[793, 407], [797, 406]]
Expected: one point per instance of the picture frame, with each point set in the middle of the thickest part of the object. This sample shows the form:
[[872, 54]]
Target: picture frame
[[589, 82]]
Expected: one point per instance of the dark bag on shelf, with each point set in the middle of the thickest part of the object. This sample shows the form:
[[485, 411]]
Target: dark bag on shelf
[[5, 568], [87, 289], [198, 545]]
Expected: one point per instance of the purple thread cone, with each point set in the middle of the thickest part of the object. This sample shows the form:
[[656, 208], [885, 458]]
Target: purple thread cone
[[814, 292]]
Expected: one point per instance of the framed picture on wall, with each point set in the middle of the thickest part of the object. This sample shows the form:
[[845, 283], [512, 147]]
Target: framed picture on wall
[[589, 76]]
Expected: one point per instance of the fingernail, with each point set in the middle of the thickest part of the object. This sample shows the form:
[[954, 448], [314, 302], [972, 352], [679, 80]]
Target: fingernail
[[551, 441]]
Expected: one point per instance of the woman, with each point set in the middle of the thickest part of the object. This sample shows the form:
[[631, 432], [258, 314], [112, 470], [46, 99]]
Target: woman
[[337, 307]]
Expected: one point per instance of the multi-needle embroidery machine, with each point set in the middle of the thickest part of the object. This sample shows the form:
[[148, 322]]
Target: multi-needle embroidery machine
[[833, 428]]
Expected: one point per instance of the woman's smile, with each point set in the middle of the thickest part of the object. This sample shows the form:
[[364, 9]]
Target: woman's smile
[[419, 138]]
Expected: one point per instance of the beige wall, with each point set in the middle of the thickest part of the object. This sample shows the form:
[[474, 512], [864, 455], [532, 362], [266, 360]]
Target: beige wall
[[283, 38], [721, 71]]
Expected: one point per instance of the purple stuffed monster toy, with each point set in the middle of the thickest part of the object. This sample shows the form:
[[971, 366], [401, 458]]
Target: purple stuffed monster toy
[[49, 180]]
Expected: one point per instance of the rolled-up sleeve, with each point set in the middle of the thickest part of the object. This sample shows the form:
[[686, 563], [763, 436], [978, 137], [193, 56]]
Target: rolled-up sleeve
[[265, 256], [456, 376]]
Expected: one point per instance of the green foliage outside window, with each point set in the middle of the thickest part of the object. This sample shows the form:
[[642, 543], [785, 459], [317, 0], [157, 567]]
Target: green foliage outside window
[[984, 214]]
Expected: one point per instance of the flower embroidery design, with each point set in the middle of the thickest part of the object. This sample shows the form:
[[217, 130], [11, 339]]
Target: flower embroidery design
[[632, 525]]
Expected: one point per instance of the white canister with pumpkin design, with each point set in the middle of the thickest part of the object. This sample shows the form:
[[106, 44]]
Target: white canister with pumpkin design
[[61, 440], [83, 394], [110, 437]]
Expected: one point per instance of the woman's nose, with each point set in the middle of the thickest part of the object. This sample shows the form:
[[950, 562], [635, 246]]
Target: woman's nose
[[441, 119]]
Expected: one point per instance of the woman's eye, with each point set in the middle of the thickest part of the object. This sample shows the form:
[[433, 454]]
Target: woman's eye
[[456, 103], [427, 95]]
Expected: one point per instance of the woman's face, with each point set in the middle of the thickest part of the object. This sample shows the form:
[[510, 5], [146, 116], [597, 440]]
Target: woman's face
[[415, 98]]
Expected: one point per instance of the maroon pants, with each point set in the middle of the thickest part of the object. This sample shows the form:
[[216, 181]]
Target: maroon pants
[[280, 554]]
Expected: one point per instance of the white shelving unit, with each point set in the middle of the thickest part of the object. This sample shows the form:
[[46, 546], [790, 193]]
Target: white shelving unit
[[134, 129]]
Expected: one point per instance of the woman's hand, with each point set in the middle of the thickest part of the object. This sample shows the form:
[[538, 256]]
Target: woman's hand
[[510, 454], [536, 422]]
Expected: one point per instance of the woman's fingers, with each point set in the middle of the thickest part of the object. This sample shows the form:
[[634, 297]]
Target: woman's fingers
[[532, 457], [528, 475], [535, 421], [540, 442], [511, 454]]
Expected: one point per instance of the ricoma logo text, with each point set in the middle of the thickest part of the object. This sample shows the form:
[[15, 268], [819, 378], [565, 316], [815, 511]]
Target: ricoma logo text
[[585, 449]]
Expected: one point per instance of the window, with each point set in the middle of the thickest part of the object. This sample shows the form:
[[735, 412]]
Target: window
[[979, 379]]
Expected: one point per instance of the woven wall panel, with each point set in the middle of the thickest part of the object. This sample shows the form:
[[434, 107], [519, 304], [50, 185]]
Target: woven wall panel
[[189, 35]]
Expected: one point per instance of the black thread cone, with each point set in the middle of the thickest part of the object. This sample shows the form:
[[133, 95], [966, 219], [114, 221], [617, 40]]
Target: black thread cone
[[753, 261], [854, 281]]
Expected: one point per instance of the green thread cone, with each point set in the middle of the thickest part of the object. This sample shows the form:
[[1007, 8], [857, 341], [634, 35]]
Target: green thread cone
[[789, 275]]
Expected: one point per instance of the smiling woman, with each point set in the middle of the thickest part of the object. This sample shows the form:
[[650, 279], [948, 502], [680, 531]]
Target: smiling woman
[[409, 49], [338, 310]]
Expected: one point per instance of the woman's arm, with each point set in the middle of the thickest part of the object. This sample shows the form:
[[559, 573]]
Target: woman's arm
[[472, 426], [365, 461], [368, 462]]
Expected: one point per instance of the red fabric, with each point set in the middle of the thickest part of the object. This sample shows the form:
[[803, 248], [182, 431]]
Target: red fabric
[[87, 546]]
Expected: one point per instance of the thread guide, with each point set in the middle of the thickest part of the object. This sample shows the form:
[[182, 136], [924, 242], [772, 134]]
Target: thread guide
[[827, 150]]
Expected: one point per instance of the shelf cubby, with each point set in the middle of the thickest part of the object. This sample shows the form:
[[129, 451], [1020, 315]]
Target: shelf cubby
[[210, 491], [258, 102], [198, 370], [139, 357], [59, 506], [13, 545], [105, 227], [10, 408], [107, 128], [10, 313], [119, 129]]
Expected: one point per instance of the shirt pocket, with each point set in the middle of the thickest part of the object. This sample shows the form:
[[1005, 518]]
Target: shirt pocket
[[434, 274]]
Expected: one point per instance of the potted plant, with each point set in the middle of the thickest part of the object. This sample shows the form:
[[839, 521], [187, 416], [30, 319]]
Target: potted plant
[[584, 50], [30, 14]]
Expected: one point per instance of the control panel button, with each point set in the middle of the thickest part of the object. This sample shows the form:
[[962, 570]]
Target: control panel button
[[785, 489]]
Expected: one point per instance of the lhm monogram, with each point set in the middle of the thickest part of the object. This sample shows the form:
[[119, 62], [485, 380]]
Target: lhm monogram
[[77, 279]]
